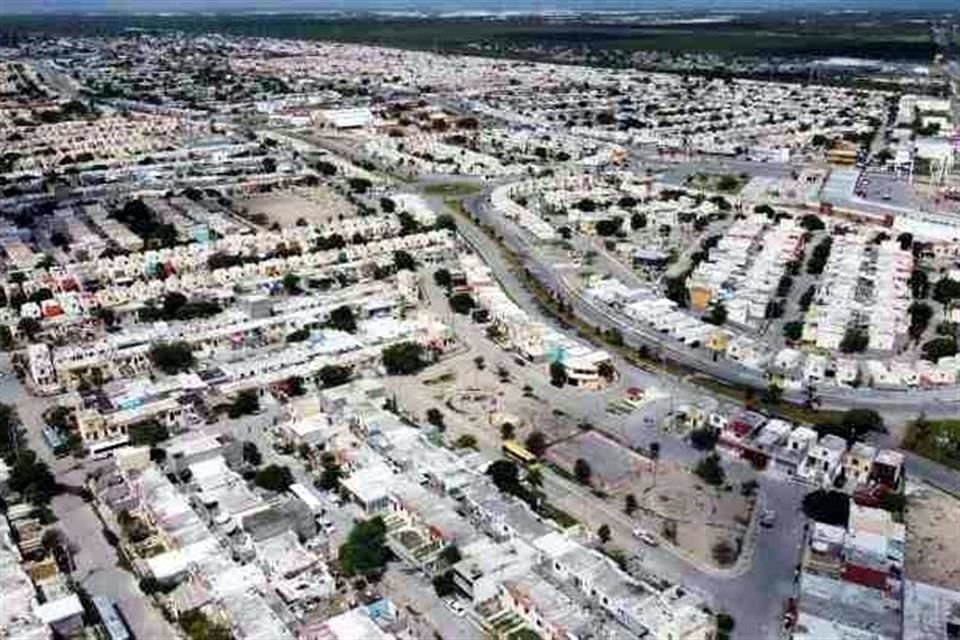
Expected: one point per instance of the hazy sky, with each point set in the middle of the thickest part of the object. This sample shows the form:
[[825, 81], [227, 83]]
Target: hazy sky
[[131, 6]]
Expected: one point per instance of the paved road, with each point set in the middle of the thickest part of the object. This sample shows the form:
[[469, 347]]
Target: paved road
[[934, 402], [411, 590], [97, 565], [754, 597]]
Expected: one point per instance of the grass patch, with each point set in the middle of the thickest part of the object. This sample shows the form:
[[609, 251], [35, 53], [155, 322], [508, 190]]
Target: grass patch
[[440, 379], [451, 189], [558, 515], [938, 440], [792, 412]]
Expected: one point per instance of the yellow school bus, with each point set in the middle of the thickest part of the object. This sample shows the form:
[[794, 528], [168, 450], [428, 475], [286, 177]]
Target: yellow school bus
[[518, 453]]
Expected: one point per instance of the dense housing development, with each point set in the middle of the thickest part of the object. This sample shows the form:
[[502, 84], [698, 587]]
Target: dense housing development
[[325, 340]]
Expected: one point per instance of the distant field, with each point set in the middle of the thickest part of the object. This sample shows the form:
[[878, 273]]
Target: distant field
[[893, 37]]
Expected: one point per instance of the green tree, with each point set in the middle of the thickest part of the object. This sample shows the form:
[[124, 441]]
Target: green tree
[[359, 185], [828, 507], [920, 314], [630, 504], [465, 441], [507, 431], [725, 626], [299, 335], [435, 417], [403, 260], [59, 417], [450, 554], [444, 584], [342, 318], [537, 443], [946, 290], [333, 375], [793, 330], [603, 533], [862, 420], [772, 394], [147, 433], [704, 439], [919, 284], [245, 403], [31, 477], [404, 358], [330, 474], [6, 338], [938, 348], [29, 327], [9, 429], [608, 226], [558, 374], [854, 340], [274, 478], [811, 222], [365, 551], [199, 627], [717, 315], [445, 221], [291, 284], [442, 278], [462, 303], [710, 470], [582, 471], [251, 454], [172, 357], [505, 476]]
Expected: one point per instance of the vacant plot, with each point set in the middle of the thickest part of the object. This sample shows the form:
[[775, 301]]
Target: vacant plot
[[725, 183], [613, 466], [705, 523], [313, 205], [478, 402], [933, 537]]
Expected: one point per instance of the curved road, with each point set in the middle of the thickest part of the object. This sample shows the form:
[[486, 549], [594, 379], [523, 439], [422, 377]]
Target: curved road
[[934, 402]]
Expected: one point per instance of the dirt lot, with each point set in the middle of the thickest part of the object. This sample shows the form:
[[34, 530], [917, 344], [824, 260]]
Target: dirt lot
[[701, 517], [477, 402], [933, 537], [615, 468], [316, 205]]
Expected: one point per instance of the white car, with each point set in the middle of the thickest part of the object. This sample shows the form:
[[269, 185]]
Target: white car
[[768, 518], [456, 607], [646, 537]]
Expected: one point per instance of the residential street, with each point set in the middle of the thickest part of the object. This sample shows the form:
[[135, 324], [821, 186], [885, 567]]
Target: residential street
[[98, 568]]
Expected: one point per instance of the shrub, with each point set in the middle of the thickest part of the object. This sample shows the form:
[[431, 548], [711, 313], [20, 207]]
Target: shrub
[[404, 358], [710, 470], [274, 478]]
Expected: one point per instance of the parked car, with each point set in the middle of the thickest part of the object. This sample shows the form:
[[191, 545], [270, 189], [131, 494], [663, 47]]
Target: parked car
[[645, 537], [768, 518], [456, 607]]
